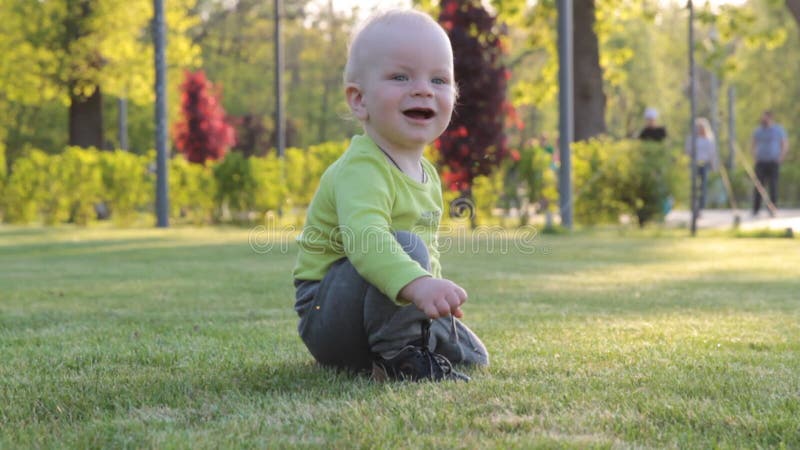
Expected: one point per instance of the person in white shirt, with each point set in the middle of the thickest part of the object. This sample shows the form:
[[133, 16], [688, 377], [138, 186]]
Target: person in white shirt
[[707, 158]]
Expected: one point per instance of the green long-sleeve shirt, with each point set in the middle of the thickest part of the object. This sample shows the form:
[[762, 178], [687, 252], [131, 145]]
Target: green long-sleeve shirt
[[361, 199]]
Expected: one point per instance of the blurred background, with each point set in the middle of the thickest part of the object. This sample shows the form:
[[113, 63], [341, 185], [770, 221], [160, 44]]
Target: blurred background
[[77, 100]]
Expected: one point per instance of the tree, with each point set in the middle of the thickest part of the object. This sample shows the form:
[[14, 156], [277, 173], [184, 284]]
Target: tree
[[238, 54], [73, 52], [794, 8], [590, 100], [202, 133], [251, 135], [475, 142], [534, 59], [85, 100]]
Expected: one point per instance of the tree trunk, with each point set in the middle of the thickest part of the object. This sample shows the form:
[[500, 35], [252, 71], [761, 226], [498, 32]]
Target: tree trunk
[[86, 120], [590, 101], [794, 8], [85, 114]]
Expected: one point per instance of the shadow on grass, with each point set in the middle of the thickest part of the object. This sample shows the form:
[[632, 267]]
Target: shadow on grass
[[303, 378], [7, 232], [167, 247], [186, 397], [54, 248]]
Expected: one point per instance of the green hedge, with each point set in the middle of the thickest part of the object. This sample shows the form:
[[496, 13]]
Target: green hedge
[[632, 177], [68, 187], [611, 178], [192, 189], [530, 182], [25, 188], [78, 185], [128, 185], [3, 173]]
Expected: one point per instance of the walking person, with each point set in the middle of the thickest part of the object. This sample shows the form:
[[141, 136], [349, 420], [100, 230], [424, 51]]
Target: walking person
[[652, 131], [769, 146], [707, 158]]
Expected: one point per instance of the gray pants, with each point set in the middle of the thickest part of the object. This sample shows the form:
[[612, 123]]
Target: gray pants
[[346, 322]]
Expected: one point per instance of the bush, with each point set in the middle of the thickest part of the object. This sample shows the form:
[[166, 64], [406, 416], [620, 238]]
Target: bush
[[202, 132], [128, 186], [68, 186], [270, 193], [26, 187], [326, 154], [789, 181], [530, 178], [304, 168], [235, 184], [192, 191], [300, 166], [2, 166], [625, 177], [57, 188], [486, 192], [78, 186]]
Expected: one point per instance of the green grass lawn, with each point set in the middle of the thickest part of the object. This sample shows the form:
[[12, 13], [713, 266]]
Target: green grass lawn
[[186, 339]]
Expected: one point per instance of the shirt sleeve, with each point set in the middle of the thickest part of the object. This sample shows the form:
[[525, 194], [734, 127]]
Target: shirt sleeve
[[364, 196]]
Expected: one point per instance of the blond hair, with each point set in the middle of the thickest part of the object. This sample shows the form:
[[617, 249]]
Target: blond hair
[[703, 123], [356, 56]]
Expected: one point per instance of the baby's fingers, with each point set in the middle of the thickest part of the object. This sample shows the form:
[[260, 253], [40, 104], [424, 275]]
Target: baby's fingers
[[454, 303], [431, 310], [462, 295], [444, 307]]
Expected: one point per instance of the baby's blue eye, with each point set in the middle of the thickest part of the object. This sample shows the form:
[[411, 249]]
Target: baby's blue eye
[[439, 81], [400, 78]]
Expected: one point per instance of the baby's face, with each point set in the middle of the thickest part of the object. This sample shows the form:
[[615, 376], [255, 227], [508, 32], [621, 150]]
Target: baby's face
[[407, 88]]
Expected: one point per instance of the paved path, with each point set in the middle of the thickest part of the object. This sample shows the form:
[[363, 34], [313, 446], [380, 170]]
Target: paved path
[[724, 219]]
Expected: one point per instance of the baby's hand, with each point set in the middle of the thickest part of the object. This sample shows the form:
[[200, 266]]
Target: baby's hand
[[435, 297]]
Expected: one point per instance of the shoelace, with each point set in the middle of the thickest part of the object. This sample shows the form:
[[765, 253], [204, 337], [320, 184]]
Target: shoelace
[[453, 330], [434, 359], [437, 365], [426, 331]]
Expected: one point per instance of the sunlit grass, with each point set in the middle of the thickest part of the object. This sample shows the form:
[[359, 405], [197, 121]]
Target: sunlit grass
[[186, 338]]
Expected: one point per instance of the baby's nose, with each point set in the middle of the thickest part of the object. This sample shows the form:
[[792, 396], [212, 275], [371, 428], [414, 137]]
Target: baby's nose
[[421, 88]]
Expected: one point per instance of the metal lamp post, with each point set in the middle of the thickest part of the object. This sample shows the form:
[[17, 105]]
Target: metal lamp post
[[280, 121], [692, 102], [566, 116], [162, 194]]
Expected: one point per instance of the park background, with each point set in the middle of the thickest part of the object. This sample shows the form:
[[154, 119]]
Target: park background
[[80, 75], [115, 333]]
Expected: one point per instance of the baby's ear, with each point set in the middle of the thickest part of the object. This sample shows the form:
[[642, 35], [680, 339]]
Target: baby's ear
[[355, 99]]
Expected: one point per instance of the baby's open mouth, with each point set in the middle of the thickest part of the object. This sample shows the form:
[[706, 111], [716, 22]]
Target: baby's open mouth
[[419, 113]]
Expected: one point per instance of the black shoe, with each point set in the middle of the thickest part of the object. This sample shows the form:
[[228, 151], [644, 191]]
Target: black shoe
[[415, 363]]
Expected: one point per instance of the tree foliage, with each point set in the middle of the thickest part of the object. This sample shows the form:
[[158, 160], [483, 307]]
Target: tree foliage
[[475, 142], [202, 133], [629, 177], [238, 51], [642, 48], [56, 52]]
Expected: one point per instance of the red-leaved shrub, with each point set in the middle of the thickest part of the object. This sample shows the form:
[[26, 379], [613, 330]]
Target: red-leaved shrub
[[475, 142], [202, 133]]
